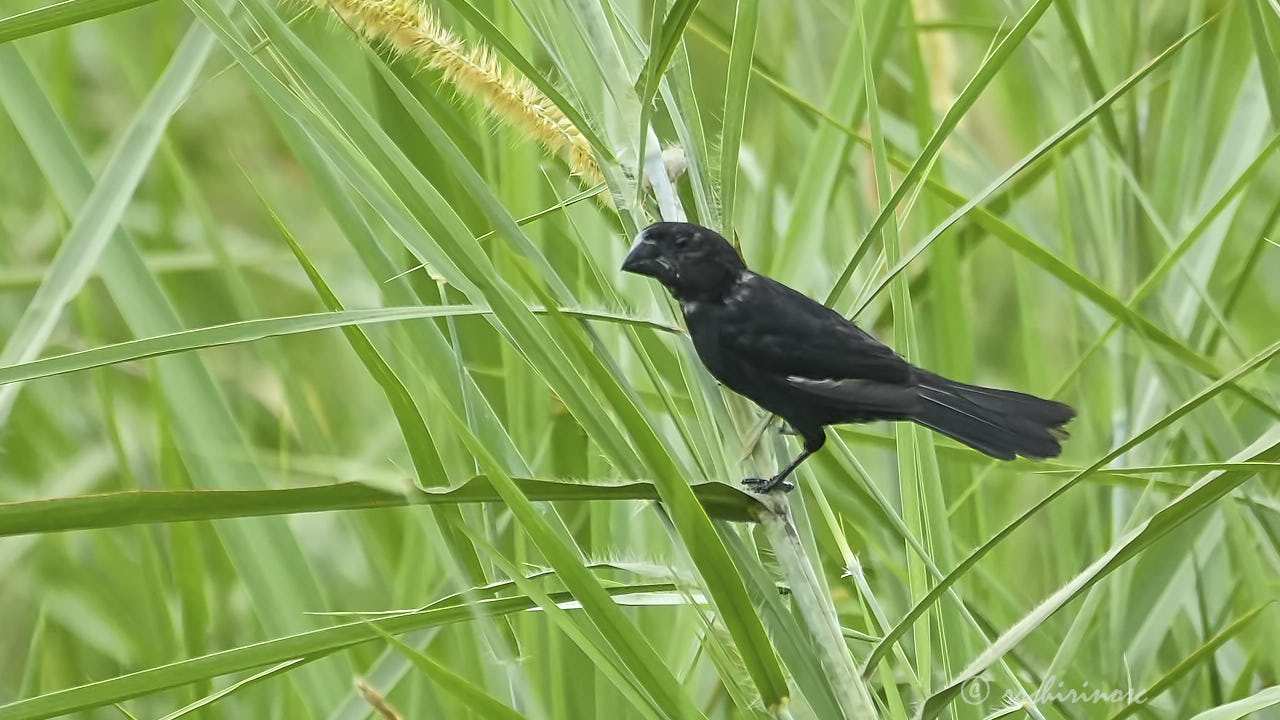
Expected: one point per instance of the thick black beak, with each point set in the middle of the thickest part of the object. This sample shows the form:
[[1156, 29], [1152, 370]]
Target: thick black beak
[[644, 258]]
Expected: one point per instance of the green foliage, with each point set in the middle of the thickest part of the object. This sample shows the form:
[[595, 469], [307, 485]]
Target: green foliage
[[291, 333]]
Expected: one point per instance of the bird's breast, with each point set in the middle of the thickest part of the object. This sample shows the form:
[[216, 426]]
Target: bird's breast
[[706, 341]]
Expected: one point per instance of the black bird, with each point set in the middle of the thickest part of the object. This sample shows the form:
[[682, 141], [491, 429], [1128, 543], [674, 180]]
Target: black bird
[[805, 362]]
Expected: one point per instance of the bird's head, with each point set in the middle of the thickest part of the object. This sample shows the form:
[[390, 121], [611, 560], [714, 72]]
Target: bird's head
[[692, 261]]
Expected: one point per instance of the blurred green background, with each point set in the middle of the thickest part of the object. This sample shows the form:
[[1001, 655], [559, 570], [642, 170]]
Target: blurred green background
[[1073, 198]]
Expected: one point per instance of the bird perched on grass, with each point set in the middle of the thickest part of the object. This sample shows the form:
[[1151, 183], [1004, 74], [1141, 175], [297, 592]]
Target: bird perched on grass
[[805, 362]]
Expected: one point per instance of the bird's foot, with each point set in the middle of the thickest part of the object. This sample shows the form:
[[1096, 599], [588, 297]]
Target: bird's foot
[[786, 429], [764, 486]]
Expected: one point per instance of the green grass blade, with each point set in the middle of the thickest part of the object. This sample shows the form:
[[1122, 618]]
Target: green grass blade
[[920, 508], [162, 506], [231, 689], [103, 209], [1202, 654], [61, 15], [253, 330], [663, 43], [1196, 499], [1041, 150], [1261, 700], [660, 55], [1268, 57], [269, 652], [619, 632], [274, 569], [1089, 66], [1121, 311], [981, 79], [422, 449], [591, 640], [825, 160], [1200, 398], [457, 685], [735, 106]]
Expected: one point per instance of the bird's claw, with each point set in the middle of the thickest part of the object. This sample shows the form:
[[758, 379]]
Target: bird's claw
[[764, 486]]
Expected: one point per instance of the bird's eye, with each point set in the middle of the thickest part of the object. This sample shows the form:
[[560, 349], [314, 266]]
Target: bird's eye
[[681, 241]]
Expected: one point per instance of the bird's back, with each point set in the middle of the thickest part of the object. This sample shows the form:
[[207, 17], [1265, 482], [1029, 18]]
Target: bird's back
[[783, 351]]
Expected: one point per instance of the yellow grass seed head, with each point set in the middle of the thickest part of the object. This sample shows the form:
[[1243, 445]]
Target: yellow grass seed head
[[476, 72]]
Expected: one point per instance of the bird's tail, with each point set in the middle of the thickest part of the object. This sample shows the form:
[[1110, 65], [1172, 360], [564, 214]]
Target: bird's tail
[[1000, 423]]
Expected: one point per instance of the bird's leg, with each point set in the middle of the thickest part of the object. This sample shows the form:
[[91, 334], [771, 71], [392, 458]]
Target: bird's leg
[[786, 429], [765, 486]]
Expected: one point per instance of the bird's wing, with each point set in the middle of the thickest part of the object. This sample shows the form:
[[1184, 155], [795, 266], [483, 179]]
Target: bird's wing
[[783, 332]]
